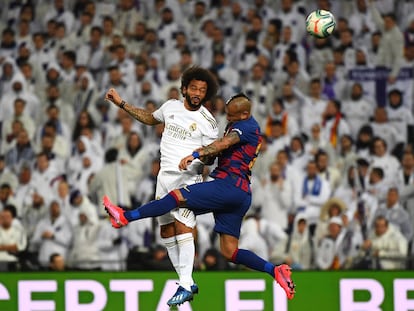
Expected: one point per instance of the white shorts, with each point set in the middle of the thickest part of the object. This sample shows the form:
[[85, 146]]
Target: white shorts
[[168, 181]]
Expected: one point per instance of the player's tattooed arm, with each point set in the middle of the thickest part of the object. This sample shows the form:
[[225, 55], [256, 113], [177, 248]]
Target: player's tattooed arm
[[219, 145], [139, 114], [209, 152]]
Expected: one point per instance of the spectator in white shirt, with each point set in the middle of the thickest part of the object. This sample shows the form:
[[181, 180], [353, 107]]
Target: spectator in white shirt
[[45, 175], [383, 159], [276, 197], [299, 248], [312, 105], [13, 239], [391, 46], [396, 214], [399, 115], [84, 254], [327, 171], [298, 156], [358, 109], [60, 14], [53, 234], [386, 241], [312, 193], [6, 175]]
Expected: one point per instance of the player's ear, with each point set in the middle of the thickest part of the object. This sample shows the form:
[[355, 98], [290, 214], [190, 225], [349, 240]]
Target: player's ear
[[245, 115], [184, 90]]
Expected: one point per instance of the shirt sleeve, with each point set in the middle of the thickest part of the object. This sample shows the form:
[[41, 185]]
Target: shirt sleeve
[[244, 130], [160, 112], [210, 135]]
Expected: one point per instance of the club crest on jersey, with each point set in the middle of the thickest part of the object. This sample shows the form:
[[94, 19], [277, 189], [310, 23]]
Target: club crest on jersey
[[193, 127]]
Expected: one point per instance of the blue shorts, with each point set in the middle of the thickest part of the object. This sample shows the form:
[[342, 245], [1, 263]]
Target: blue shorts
[[228, 203]]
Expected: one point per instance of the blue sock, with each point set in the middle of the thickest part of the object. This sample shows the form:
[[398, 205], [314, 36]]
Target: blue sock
[[252, 261], [153, 209]]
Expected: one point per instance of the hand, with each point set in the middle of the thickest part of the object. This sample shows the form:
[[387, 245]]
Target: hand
[[185, 162], [367, 244], [113, 96]]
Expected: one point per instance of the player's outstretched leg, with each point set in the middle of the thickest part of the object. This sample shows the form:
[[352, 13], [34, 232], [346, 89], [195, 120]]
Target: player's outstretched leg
[[281, 274], [151, 209]]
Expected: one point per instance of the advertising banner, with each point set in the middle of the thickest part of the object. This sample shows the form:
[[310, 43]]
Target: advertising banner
[[219, 291]]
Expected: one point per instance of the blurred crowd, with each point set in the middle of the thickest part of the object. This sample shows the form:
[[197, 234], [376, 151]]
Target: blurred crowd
[[333, 186]]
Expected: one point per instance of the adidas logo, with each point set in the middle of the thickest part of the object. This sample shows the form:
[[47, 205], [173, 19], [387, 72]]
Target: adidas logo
[[171, 117], [179, 297]]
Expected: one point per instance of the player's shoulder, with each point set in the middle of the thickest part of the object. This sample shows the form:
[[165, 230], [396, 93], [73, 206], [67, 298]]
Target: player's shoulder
[[172, 103], [249, 123], [207, 117], [247, 127]]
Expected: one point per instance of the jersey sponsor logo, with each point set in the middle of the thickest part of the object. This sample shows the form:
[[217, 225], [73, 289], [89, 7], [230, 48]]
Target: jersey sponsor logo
[[177, 131], [211, 120]]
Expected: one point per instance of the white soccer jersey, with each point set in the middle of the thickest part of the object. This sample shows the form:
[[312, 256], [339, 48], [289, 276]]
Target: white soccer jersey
[[184, 132]]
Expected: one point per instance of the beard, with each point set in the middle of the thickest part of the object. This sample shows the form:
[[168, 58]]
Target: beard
[[356, 96], [190, 103], [274, 178]]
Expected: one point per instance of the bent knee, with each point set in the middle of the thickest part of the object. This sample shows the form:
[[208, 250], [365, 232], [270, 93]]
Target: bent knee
[[167, 231], [181, 228], [228, 252]]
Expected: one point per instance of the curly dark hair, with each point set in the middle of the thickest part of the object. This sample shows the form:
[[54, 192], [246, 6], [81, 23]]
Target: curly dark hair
[[200, 74]]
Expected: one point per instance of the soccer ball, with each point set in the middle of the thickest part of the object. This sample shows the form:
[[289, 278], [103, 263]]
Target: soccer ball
[[320, 23]]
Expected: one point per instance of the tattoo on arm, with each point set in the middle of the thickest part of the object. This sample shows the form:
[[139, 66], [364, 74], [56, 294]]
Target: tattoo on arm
[[220, 144], [141, 115]]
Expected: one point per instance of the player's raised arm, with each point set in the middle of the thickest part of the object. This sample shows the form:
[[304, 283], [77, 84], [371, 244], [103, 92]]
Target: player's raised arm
[[139, 114]]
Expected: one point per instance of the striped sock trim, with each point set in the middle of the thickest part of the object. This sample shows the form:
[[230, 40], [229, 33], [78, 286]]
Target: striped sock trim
[[174, 195], [169, 242], [185, 238], [233, 257], [183, 241]]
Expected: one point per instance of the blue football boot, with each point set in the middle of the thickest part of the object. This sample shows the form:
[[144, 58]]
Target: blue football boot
[[181, 295]]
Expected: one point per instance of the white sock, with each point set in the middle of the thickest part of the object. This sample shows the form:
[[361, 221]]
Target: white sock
[[186, 255], [172, 248]]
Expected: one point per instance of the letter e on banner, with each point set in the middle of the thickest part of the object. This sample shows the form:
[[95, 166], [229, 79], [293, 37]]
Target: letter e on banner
[[72, 289], [25, 290], [233, 289]]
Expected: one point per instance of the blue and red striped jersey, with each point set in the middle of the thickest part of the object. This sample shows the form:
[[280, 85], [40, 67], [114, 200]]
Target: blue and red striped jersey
[[236, 162]]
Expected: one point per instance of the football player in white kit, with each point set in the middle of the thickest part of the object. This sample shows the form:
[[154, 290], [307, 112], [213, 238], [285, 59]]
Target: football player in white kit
[[188, 126]]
